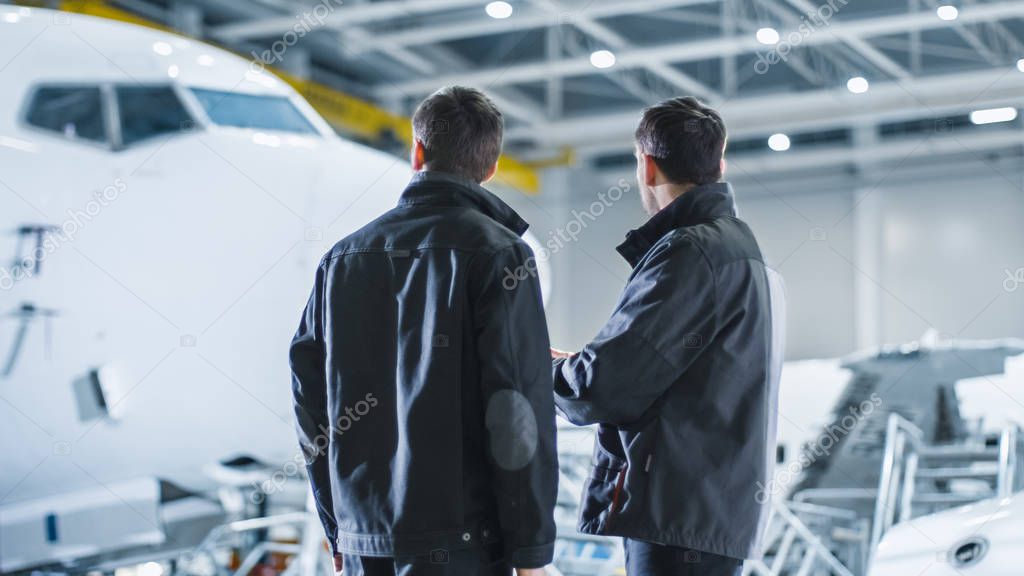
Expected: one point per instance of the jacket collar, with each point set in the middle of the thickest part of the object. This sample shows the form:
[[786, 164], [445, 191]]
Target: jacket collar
[[442, 188], [699, 204]]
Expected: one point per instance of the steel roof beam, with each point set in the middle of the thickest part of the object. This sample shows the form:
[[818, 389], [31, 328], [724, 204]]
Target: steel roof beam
[[710, 49], [807, 111], [524, 20], [974, 145], [340, 17], [861, 46]]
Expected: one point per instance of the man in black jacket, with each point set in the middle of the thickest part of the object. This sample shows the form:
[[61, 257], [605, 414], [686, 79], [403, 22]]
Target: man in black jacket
[[683, 378], [421, 380]]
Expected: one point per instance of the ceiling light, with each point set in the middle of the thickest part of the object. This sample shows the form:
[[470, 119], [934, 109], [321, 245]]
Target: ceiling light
[[162, 48], [499, 10], [602, 59], [11, 17], [172, 71], [778, 142], [993, 115], [205, 60], [857, 85], [1020, 64], [947, 12], [768, 36]]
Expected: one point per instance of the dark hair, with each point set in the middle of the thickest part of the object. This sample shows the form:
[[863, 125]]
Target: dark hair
[[461, 130], [685, 138]]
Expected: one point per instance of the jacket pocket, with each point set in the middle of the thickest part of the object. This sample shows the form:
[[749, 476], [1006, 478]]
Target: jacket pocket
[[601, 499]]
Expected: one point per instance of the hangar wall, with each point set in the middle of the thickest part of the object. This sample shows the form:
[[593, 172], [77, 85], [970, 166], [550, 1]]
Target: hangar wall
[[866, 260]]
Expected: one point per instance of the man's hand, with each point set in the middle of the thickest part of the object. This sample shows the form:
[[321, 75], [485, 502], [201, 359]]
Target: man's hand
[[556, 354], [339, 564], [531, 572]]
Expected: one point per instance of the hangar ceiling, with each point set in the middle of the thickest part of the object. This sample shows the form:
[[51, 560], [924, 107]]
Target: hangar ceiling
[[844, 81]]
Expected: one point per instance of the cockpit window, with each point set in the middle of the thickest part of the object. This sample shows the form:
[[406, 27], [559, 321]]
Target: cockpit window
[[75, 112], [253, 111], [148, 111]]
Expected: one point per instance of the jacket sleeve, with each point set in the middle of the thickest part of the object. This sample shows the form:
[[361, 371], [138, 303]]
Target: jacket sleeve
[[663, 321], [309, 391], [512, 345]]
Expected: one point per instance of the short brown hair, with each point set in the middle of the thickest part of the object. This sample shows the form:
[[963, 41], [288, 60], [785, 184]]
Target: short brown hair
[[685, 138], [461, 131]]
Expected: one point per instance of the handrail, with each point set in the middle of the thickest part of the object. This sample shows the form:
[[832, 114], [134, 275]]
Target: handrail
[[905, 451], [1007, 461], [819, 510], [909, 484], [885, 480], [238, 526], [267, 521], [898, 432], [908, 466], [808, 494]]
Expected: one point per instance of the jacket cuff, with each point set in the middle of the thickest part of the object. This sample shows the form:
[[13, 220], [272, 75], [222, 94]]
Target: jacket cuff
[[532, 556], [556, 368]]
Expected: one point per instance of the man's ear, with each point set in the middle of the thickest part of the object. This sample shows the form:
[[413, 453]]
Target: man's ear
[[417, 155], [723, 166], [491, 173], [650, 170]]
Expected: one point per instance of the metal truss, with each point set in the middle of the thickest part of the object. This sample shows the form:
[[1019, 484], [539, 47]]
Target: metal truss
[[917, 63]]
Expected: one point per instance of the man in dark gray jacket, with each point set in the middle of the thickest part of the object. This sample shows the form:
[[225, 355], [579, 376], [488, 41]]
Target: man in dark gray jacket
[[421, 380], [683, 378]]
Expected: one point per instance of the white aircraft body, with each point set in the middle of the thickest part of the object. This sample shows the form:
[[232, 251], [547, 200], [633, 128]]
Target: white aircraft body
[[985, 538], [163, 206]]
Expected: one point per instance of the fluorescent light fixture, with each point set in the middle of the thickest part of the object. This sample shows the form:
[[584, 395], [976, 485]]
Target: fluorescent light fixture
[[602, 59], [857, 85], [767, 36], [498, 10], [11, 17], [993, 115], [162, 48], [947, 12], [778, 142]]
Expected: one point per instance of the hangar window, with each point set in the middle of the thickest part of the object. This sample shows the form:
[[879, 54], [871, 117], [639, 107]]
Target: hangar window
[[148, 111], [253, 111], [74, 111]]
